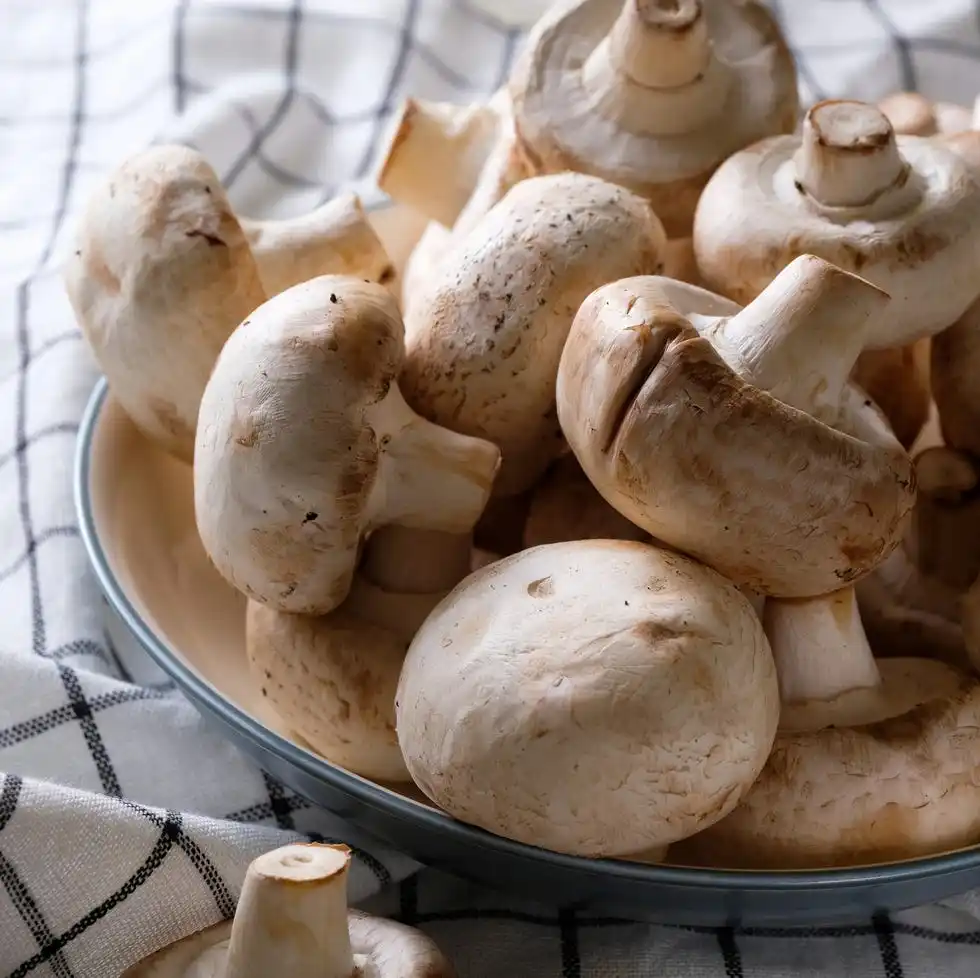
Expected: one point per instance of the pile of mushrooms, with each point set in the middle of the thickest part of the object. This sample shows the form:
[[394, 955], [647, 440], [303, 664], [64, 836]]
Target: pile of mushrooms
[[637, 514]]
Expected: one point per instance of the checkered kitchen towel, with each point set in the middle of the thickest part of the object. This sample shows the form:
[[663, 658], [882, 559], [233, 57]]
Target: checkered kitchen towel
[[123, 822]]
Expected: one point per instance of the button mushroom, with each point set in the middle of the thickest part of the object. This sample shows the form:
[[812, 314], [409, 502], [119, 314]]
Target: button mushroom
[[162, 272], [875, 760], [652, 94], [292, 921], [598, 698], [564, 505], [912, 114], [305, 445], [686, 434], [484, 339], [902, 212], [332, 678]]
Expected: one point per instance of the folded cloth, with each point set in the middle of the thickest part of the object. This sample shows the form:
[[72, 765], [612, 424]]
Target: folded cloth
[[125, 823]]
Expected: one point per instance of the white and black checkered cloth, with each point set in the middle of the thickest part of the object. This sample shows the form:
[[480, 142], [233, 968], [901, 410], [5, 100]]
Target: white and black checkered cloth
[[124, 823]]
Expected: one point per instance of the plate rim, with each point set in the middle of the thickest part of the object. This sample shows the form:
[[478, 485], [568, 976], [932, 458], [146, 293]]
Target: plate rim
[[367, 792]]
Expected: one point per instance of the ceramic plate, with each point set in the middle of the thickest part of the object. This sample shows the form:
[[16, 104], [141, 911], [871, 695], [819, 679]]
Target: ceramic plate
[[135, 506]]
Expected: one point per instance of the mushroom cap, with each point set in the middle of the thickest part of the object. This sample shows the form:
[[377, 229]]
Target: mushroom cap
[[484, 339], [683, 447], [159, 277], [566, 506], [392, 950], [754, 217], [304, 446], [889, 788], [911, 113], [562, 124], [596, 698], [332, 679]]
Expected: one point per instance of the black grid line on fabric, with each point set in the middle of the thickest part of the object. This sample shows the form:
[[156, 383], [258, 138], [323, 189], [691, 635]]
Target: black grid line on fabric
[[18, 733], [48, 431], [571, 959], [78, 647], [90, 731], [19, 894], [891, 963], [168, 834], [372, 862], [408, 900], [198, 857], [731, 956], [26, 906], [177, 79], [903, 50], [69, 336], [482, 17], [280, 804], [35, 541], [281, 109], [803, 69]]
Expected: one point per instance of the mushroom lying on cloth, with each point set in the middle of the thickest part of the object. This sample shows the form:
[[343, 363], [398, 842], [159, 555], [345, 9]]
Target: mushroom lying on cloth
[[652, 94], [305, 445], [484, 339], [162, 272], [687, 435], [598, 698], [332, 678], [875, 760], [292, 921], [903, 212]]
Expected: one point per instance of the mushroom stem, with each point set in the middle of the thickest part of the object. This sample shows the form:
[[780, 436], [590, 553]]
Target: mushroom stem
[[819, 647], [291, 919], [406, 561], [436, 155], [801, 337], [335, 239], [430, 477], [654, 70], [848, 156]]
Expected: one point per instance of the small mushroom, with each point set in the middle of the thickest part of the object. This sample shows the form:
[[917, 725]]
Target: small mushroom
[[683, 412], [903, 212], [912, 114], [566, 506], [897, 379], [163, 271], [292, 921], [875, 761], [598, 698], [484, 339], [160, 275], [652, 94], [332, 678], [912, 601], [305, 445], [334, 239]]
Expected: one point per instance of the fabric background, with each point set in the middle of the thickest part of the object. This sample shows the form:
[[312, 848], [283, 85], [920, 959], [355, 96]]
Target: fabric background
[[124, 823]]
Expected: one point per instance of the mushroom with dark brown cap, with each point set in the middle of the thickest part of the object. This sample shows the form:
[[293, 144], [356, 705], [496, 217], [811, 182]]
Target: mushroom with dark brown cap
[[484, 338], [597, 697], [163, 271], [292, 921], [679, 408], [652, 94], [332, 678], [903, 212], [305, 446]]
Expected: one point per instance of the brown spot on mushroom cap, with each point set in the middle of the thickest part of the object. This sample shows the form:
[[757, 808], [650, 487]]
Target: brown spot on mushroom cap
[[895, 789], [697, 448]]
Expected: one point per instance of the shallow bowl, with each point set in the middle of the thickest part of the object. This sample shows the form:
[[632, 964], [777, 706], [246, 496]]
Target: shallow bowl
[[135, 506]]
